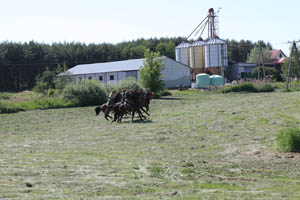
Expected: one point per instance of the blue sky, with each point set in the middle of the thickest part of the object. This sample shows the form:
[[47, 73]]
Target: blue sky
[[113, 21]]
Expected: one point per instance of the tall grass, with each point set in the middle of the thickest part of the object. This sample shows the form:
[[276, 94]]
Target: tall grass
[[9, 107], [249, 87], [288, 140], [45, 103], [4, 96]]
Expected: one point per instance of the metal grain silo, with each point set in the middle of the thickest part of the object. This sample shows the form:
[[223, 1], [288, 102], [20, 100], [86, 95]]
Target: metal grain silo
[[216, 55], [182, 53], [197, 54]]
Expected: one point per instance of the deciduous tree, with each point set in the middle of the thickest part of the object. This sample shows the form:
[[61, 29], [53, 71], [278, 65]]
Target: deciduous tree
[[150, 72]]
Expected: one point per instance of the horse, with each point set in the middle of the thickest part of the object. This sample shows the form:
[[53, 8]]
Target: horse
[[104, 109], [124, 103]]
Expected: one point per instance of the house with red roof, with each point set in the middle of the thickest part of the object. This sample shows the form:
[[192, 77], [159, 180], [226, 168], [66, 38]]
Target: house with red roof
[[277, 58], [237, 71]]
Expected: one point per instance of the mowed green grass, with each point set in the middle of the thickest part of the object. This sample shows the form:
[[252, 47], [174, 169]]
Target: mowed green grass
[[193, 146]]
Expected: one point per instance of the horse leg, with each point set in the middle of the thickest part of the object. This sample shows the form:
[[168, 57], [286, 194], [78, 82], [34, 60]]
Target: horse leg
[[120, 118], [133, 112], [141, 115], [145, 111], [106, 114]]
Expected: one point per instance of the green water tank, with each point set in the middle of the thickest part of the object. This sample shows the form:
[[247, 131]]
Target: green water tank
[[202, 80], [216, 80]]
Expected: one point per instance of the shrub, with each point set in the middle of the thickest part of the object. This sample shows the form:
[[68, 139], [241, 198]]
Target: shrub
[[51, 92], [165, 92], [61, 82], [130, 83], [4, 96], [249, 87], [265, 88], [110, 88], [8, 107], [288, 140], [85, 93], [242, 87], [271, 73], [45, 82]]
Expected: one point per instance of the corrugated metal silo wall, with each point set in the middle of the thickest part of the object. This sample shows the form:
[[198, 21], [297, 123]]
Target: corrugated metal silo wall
[[216, 58], [182, 55], [197, 57], [197, 60]]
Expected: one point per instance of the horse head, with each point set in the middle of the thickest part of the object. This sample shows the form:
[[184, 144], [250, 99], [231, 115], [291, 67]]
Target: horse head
[[98, 110]]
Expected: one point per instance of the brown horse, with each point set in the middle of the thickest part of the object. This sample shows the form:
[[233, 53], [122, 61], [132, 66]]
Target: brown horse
[[104, 108]]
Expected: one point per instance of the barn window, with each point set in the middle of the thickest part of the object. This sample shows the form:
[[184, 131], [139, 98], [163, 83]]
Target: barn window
[[131, 74], [100, 78], [111, 77]]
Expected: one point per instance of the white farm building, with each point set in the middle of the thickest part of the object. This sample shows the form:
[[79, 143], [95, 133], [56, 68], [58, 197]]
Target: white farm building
[[174, 74]]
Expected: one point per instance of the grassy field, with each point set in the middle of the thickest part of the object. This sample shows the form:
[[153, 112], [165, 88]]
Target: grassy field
[[194, 146]]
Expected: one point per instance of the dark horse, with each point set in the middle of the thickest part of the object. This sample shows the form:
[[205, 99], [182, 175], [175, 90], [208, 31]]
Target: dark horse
[[106, 108]]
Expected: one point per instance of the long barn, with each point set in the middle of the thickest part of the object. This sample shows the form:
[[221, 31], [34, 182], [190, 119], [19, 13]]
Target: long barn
[[174, 74]]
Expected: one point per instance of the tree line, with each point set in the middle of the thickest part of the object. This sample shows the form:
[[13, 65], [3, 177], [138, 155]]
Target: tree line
[[22, 63]]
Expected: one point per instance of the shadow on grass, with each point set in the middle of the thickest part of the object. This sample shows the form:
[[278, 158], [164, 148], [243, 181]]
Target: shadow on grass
[[137, 121], [170, 98]]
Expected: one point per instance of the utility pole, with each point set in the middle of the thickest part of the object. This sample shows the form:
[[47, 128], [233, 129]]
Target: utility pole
[[262, 62], [289, 68], [294, 46], [258, 66], [297, 57]]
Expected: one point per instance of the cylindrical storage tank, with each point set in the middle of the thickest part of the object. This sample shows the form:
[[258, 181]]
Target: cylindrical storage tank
[[197, 54], [202, 80], [216, 80], [216, 53], [182, 53]]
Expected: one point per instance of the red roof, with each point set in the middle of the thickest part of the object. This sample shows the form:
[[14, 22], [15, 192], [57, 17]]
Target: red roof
[[274, 53], [274, 59]]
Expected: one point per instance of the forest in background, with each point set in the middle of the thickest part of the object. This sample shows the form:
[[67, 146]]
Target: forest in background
[[22, 63]]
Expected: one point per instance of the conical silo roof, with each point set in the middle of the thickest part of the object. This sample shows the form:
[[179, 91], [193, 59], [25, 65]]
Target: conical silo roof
[[198, 43], [183, 45], [215, 41]]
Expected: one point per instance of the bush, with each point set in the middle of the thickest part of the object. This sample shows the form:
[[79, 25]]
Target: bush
[[265, 88], [4, 96], [288, 140], [45, 82], [165, 92], [130, 83], [242, 87], [85, 93], [51, 92], [271, 73], [110, 88], [8, 107], [249, 87], [61, 82]]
